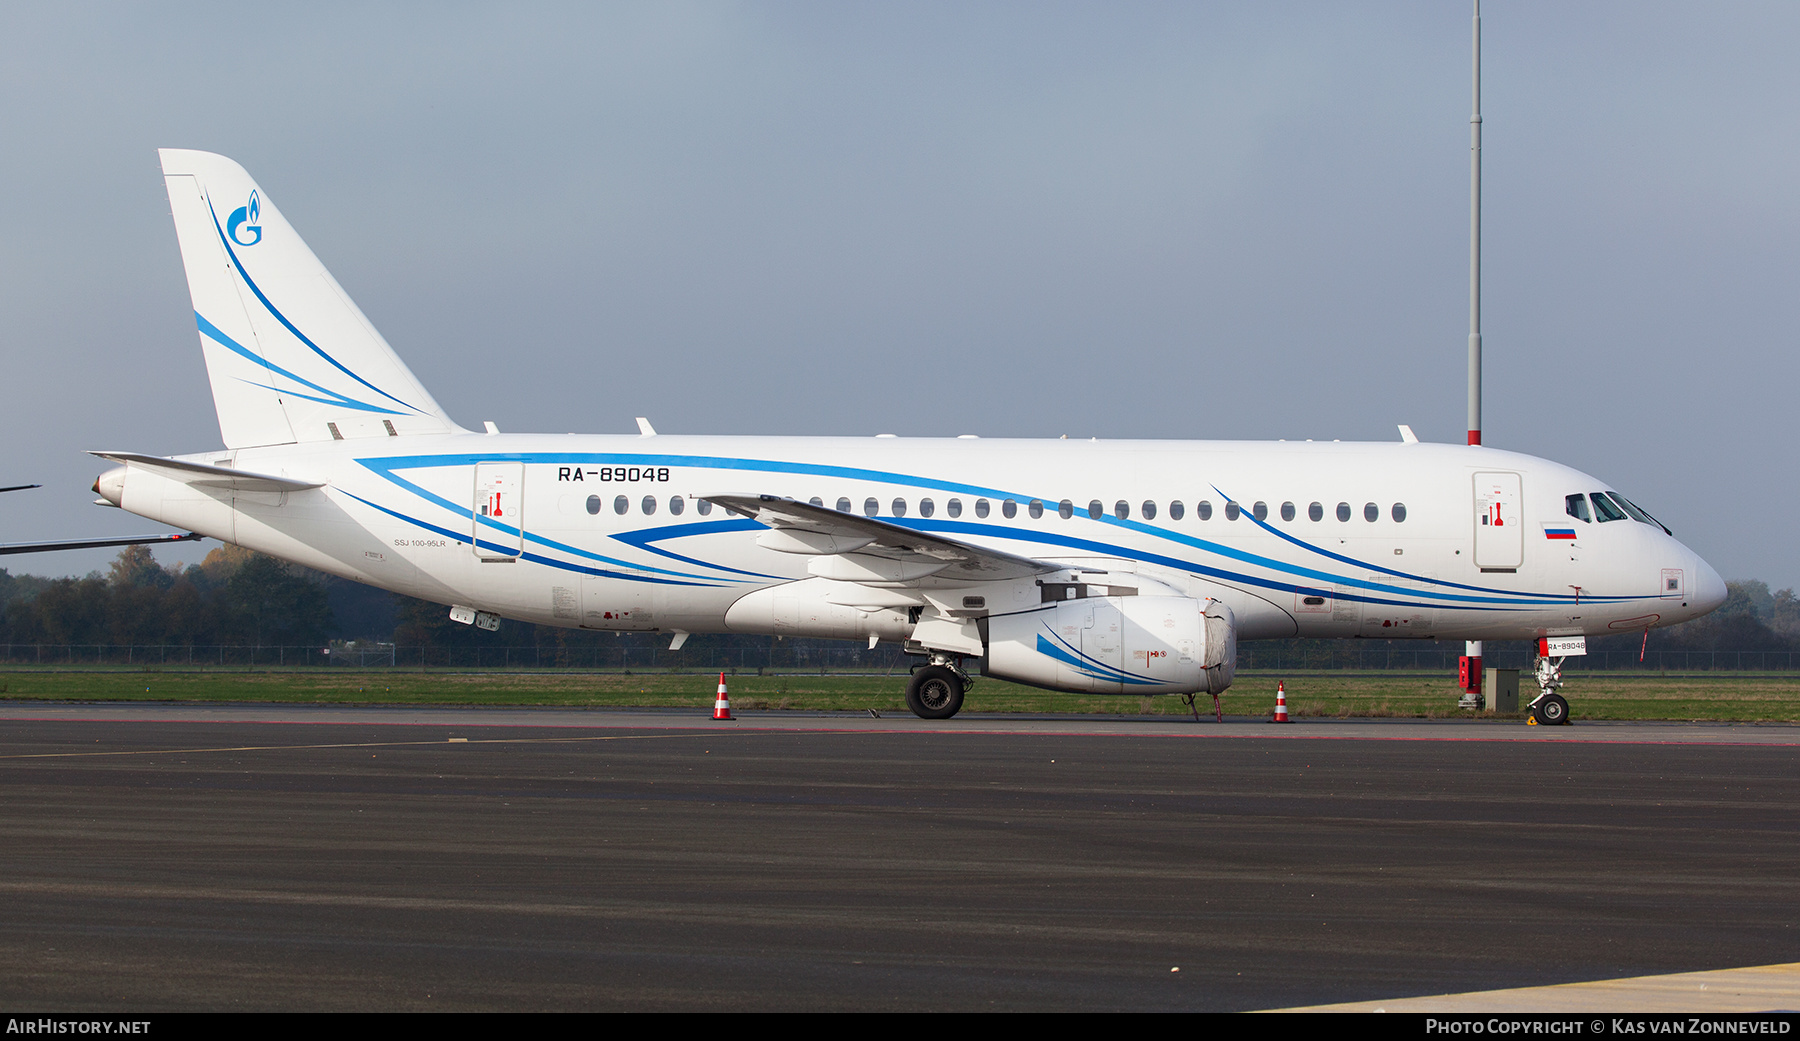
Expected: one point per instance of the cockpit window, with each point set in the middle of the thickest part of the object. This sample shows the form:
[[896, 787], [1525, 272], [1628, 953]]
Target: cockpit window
[[1604, 510], [1577, 506], [1636, 513]]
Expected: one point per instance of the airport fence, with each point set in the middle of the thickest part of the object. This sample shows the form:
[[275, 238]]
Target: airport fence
[[739, 654], [625, 655]]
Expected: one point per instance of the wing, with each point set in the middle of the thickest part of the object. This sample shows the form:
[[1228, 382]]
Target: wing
[[872, 552], [135, 540]]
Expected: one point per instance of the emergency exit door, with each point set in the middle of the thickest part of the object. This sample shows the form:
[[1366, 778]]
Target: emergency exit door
[[499, 514], [1499, 530]]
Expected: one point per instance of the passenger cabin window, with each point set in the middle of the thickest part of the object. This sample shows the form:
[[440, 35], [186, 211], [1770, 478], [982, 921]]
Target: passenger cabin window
[[953, 507], [1231, 511], [981, 508], [1399, 513], [676, 505], [1315, 512], [1149, 510], [1122, 510], [927, 507], [1261, 511], [1009, 509], [1065, 509], [843, 505], [1175, 510], [1371, 512], [871, 506], [1036, 508], [899, 507], [593, 504], [620, 505], [1203, 509], [1095, 509], [1287, 511], [816, 501], [1576, 507], [703, 507], [1343, 512], [649, 505]]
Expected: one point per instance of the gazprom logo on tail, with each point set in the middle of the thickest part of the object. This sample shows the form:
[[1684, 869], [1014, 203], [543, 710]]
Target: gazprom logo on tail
[[246, 216]]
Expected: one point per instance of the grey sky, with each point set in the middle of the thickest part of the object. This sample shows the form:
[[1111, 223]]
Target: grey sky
[[1207, 221]]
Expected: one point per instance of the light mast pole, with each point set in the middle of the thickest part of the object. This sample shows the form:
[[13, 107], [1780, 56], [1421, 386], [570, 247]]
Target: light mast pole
[[1472, 649], [1475, 242]]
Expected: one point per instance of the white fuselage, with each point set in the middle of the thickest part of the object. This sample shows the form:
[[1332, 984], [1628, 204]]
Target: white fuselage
[[608, 532]]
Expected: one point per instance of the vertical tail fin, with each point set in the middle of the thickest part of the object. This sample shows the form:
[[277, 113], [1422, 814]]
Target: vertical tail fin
[[290, 357]]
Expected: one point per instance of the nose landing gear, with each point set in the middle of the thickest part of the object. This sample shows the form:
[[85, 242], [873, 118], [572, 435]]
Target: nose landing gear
[[1549, 708]]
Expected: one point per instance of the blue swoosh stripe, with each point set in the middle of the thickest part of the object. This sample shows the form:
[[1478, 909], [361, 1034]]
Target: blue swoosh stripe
[[1093, 661], [907, 480], [532, 557], [225, 240], [219, 336], [643, 537], [462, 511], [1502, 600], [1278, 533], [1046, 648]]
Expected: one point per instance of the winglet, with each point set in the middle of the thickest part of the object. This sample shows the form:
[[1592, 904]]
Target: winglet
[[1407, 437], [644, 428]]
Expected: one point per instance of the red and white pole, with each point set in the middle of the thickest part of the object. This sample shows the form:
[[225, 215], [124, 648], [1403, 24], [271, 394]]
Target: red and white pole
[[1471, 659]]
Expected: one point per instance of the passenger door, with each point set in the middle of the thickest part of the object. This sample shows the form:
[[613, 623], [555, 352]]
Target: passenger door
[[1499, 530], [499, 510]]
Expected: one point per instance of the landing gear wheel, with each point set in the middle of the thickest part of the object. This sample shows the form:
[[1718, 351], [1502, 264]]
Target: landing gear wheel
[[934, 692], [1551, 711]]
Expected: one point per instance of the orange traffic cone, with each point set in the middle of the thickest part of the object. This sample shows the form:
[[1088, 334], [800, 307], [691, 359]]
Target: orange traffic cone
[[1281, 715], [722, 707]]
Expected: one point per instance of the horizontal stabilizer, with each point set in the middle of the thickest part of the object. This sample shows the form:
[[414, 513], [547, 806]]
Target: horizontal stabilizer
[[201, 475]]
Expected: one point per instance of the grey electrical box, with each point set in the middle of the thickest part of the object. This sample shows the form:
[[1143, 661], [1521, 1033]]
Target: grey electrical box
[[1502, 689]]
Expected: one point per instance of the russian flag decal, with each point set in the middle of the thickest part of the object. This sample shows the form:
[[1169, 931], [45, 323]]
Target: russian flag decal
[[1559, 533]]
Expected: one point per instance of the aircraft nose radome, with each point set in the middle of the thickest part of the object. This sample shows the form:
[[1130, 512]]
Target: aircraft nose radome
[[1709, 588]]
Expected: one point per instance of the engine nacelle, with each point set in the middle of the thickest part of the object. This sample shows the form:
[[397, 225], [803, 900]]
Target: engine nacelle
[[1117, 645]]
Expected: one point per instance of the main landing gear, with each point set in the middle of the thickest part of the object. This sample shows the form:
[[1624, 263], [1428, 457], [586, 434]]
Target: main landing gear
[[1549, 708], [936, 691]]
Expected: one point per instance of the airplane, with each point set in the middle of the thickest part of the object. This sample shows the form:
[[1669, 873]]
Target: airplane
[[9, 548], [1129, 567]]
